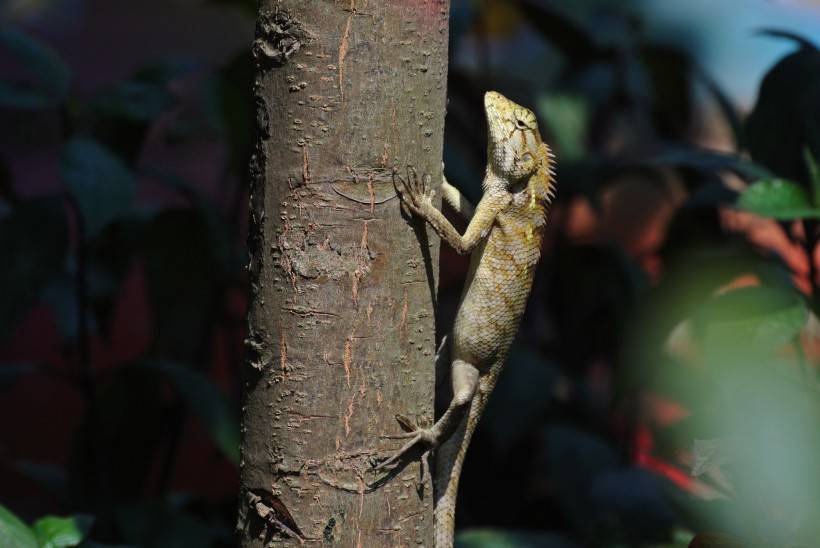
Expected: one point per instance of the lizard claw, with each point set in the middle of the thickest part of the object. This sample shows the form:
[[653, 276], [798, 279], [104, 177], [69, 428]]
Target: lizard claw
[[413, 191], [417, 436]]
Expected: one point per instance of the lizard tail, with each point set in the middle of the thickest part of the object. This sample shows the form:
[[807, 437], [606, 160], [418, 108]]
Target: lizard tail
[[449, 459]]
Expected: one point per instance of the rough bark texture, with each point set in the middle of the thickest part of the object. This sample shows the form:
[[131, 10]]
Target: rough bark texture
[[341, 329]]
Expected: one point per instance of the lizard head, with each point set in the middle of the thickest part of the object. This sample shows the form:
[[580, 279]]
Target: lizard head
[[513, 141]]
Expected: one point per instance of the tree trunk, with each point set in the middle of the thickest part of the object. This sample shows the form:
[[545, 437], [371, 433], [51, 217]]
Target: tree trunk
[[341, 323]]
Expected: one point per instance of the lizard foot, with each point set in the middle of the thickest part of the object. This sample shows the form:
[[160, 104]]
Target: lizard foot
[[419, 438], [423, 437], [414, 191]]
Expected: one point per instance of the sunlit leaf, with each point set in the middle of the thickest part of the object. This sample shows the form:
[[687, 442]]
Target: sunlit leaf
[[13, 532], [777, 199], [751, 320], [102, 186], [207, 402], [50, 75], [57, 532]]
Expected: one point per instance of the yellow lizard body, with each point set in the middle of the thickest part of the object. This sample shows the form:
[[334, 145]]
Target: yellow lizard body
[[504, 235]]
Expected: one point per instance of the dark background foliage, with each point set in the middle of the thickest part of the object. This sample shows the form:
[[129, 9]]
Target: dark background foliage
[[663, 384]]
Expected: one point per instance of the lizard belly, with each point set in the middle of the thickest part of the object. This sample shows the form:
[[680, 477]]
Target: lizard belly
[[489, 315]]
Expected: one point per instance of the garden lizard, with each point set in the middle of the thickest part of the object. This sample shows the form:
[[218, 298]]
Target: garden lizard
[[504, 236]]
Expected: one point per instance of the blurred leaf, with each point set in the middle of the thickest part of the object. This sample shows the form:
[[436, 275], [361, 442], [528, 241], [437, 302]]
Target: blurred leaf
[[56, 532], [724, 103], [183, 275], [10, 373], [785, 120], [219, 232], [523, 394], [246, 6], [575, 42], [814, 176], [670, 73], [571, 459], [567, 118], [33, 247], [124, 113], [752, 319], [710, 195], [111, 255], [155, 525], [777, 199], [61, 296], [632, 500], [779, 33], [51, 76], [102, 186], [505, 538], [717, 540], [709, 160], [115, 448], [50, 477], [236, 107], [13, 532], [208, 403]]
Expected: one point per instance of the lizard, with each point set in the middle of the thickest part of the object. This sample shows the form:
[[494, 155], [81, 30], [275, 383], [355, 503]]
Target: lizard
[[504, 236]]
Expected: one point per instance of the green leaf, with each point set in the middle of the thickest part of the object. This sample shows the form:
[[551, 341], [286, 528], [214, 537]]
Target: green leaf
[[33, 247], [755, 320], [102, 186], [50, 75], [57, 532], [206, 400], [13, 532], [777, 199]]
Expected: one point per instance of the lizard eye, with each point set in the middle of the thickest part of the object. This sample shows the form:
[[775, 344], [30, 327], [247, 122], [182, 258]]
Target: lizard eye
[[520, 124]]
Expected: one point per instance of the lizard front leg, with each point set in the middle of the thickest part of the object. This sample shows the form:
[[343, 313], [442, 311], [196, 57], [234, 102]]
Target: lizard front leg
[[418, 199]]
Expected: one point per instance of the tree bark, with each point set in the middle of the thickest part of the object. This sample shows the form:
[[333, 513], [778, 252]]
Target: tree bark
[[341, 320]]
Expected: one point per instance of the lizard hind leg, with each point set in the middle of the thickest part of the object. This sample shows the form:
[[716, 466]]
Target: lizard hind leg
[[465, 383]]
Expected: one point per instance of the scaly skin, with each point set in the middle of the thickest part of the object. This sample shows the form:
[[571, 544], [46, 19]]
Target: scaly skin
[[504, 235]]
